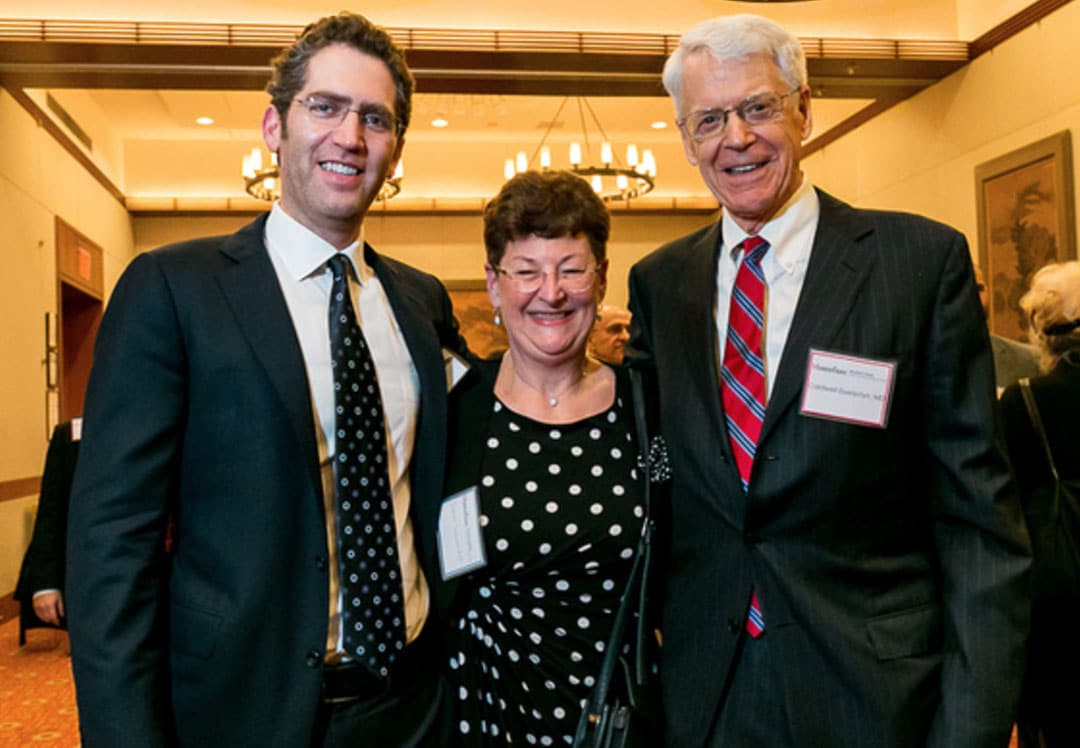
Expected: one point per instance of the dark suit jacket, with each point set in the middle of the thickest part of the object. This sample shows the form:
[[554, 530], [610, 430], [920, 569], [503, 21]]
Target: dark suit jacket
[[891, 563], [43, 564], [199, 406]]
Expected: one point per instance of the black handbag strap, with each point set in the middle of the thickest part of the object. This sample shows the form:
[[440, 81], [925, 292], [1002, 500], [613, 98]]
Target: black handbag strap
[[1036, 421], [645, 544], [638, 572]]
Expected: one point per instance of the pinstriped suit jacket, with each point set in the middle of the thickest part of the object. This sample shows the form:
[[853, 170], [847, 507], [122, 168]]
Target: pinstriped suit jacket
[[891, 563]]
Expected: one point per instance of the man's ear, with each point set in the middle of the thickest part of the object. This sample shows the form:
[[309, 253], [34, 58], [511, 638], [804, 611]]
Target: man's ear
[[272, 129], [804, 110]]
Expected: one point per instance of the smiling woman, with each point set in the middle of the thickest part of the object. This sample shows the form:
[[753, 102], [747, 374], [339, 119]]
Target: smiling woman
[[546, 237], [544, 438]]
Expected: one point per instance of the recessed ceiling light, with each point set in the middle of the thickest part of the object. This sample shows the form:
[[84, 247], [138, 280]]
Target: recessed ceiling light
[[204, 121], [659, 125], [439, 122]]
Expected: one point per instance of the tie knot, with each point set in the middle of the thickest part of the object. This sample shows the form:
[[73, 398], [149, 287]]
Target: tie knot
[[339, 265], [754, 248]]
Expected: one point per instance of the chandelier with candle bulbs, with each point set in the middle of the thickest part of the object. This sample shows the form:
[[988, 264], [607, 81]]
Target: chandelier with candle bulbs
[[611, 179], [262, 183]]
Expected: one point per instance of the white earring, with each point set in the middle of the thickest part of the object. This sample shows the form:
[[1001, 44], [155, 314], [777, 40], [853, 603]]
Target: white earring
[[497, 319]]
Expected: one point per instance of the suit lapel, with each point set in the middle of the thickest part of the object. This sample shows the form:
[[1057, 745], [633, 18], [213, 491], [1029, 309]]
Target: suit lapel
[[697, 313], [409, 311], [412, 315], [837, 269], [252, 291]]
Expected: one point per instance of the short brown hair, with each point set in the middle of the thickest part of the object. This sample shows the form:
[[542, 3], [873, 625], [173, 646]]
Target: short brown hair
[[291, 64], [550, 205]]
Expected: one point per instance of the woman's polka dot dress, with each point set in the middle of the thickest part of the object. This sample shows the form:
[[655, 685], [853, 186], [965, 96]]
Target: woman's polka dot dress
[[561, 513]]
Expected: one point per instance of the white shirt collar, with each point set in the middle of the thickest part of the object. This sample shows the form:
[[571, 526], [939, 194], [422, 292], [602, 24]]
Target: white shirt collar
[[304, 253], [801, 209]]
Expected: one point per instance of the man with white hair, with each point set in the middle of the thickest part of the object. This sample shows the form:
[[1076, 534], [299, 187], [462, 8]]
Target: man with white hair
[[848, 562]]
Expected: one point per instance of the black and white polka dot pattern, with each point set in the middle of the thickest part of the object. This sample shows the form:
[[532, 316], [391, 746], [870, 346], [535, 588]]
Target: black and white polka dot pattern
[[561, 513], [373, 609]]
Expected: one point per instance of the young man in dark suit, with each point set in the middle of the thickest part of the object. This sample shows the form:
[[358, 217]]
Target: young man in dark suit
[[849, 562], [218, 400]]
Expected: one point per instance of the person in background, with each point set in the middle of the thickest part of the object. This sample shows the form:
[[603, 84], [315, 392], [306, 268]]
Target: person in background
[[41, 578], [610, 334], [849, 563], [544, 450], [1048, 704], [1013, 360], [281, 392]]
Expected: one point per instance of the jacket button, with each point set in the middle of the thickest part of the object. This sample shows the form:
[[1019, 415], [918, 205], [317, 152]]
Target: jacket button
[[733, 625], [320, 563], [751, 538], [313, 659]]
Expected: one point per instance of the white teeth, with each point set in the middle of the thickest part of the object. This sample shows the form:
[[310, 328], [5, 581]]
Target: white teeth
[[339, 168], [742, 169]]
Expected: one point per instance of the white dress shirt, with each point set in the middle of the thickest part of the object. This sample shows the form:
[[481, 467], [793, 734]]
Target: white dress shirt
[[299, 258], [790, 235]]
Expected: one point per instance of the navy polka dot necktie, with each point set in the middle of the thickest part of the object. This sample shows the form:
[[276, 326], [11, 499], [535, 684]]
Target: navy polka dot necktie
[[372, 610]]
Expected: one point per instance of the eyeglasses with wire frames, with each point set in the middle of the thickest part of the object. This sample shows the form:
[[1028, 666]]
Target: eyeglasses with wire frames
[[754, 111], [332, 111], [570, 279]]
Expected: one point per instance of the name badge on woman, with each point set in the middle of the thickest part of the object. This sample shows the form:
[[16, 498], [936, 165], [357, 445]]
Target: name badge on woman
[[461, 542]]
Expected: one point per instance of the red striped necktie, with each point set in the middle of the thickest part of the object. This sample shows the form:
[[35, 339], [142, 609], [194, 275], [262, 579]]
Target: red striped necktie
[[743, 376]]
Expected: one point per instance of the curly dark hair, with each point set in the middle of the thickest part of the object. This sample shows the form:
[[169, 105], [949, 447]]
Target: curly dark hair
[[291, 64], [549, 204]]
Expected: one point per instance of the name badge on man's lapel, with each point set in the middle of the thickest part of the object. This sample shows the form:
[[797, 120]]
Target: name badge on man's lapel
[[847, 388], [461, 542]]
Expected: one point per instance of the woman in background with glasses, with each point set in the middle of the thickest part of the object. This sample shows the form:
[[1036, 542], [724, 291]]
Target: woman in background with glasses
[[543, 441]]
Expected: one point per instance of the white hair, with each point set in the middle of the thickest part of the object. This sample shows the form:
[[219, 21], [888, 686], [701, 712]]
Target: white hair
[[1054, 299], [737, 37]]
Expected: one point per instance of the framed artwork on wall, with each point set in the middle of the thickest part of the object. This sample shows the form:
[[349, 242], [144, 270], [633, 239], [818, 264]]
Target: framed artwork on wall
[[1026, 220], [474, 313]]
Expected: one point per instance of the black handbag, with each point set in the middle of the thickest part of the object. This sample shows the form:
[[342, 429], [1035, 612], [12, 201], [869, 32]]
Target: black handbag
[[623, 710], [1053, 519]]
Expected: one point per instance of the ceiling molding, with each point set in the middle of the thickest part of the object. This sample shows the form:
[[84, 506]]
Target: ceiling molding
[[1012, 26], [132, 54], [429, 206], [63, 139], [842, 128]]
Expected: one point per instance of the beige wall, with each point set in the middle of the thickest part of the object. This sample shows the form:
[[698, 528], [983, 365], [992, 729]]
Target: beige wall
[[38, 181], [920, 156]]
